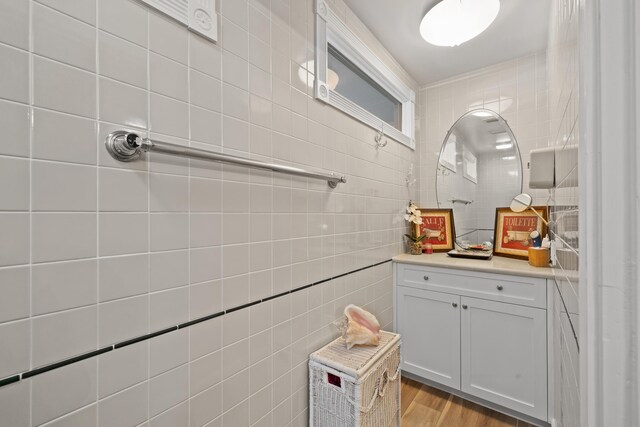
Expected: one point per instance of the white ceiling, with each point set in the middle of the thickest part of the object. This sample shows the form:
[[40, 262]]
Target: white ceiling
[[520, 28]]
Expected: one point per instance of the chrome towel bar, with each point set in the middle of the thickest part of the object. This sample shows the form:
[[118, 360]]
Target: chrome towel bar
[[128, 146]]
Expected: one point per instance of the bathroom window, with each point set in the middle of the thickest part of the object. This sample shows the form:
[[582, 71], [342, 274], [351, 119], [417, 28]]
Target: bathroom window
[[350, 77]]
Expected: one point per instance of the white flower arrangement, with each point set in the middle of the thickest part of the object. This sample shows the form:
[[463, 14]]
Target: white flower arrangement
[[413, 216]]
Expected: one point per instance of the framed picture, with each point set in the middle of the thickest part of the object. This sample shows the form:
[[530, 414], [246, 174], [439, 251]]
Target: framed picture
[[437, 225], [512, 231]]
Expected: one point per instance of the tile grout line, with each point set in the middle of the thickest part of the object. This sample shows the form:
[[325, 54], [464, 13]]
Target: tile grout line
[[33, 372]]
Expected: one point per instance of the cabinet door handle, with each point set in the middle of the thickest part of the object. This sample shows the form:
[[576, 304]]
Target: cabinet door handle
[[500, 287], [454, 304], [464, 306], [426, 277]]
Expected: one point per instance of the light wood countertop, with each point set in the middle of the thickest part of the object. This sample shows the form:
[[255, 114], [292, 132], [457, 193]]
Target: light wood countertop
[[497, 264]]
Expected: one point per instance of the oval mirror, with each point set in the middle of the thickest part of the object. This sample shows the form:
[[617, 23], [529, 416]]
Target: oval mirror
[[479, 169]]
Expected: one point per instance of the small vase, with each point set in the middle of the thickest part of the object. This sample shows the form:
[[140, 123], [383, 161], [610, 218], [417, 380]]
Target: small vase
[[415, 248]]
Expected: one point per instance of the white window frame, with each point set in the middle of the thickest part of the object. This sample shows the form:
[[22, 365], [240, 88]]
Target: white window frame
[[331, 30]]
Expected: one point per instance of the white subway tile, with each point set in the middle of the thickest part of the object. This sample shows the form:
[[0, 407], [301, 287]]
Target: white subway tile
[[205, 229], [168, 38], [235, 102], [205, 195], [123, 276], [14, 227], [205, 299], [206, 127], [168, 308], [235, 71], [169, 116], [205, 56], [206, 406], [124, 104], [205, 337], [235, 291], [15, 25], [169, 231], [122, 60], [128, 407], [62, 88], [168, 193], [60, 37], [122, 368], [122, 191], [14, 68], [205, 91], [235, 389], [15, 404], [235, 134], [237, 416], [169, 270], [84, 11], [14, 184], [63, 187], [168, 351], [14, 120], [63, 286], [177, 416], [15, 350], [205, 264], [168, 77], [65, 334], [168, 389], [235, 39], [205, 372], [80, 385], [124, 18], [14, 293], [53, 141], [123, 319], [123, 233], [85, 417]]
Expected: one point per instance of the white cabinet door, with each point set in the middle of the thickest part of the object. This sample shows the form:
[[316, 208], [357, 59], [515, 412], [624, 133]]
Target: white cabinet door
[[429, 323], [504, 355]]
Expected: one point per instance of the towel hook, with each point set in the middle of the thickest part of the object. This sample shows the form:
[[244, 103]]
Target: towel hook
[[378, 138]]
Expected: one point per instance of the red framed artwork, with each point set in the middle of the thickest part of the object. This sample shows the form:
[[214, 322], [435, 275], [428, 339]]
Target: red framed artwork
[[512, 231], [437, 225]]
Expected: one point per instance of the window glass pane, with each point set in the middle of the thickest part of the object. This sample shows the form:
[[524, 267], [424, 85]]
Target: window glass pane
[[360, 89]]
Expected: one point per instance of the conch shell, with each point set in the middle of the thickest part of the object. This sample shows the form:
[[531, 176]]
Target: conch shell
[[362, 327]]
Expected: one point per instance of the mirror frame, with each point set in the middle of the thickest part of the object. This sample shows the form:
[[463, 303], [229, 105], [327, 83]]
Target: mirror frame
[[446, 138]]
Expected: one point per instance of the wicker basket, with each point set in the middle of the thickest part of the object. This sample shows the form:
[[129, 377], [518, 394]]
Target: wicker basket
[[357, 387]]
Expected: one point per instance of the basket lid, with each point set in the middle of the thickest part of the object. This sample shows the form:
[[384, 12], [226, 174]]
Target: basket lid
[[356, 361]]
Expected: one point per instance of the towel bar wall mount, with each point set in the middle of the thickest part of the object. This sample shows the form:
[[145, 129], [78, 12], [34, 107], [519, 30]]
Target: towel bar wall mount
[[127, 146]]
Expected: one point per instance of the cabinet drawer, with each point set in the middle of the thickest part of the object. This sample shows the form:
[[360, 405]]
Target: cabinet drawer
[[526, 291]]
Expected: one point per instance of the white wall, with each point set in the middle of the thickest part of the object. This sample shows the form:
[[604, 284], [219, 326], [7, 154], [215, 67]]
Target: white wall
[[95, 252]]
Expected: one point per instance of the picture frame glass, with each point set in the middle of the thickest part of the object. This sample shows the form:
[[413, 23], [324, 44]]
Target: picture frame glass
[[513, 229], [438, 226]]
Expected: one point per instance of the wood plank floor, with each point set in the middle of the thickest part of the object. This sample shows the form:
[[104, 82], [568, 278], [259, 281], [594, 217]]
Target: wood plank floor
[[424, 406]]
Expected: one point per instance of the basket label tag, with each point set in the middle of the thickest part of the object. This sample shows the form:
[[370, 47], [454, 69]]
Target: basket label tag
[[334, 380]]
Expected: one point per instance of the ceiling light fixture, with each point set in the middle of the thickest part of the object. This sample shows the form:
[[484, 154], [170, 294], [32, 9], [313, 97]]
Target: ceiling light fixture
[[503, 146], [453, 22]]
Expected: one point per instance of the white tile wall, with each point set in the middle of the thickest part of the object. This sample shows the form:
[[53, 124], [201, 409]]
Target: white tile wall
[[516, 89], [96, 252], [562, 58]]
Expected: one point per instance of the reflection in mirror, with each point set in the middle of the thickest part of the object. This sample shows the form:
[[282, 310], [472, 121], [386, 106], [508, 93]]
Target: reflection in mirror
[[479, 169]]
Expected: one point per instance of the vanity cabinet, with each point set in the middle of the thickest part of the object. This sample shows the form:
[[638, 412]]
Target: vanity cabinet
[[481, 333]]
